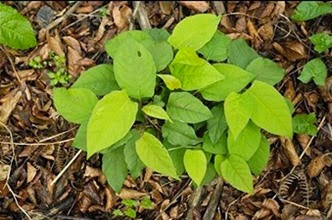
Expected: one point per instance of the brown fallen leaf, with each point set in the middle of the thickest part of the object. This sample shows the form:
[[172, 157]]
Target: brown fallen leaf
[[166, 7], [303, 140], [130, 194], [31, 172], [74, 57], [4, 168], [290, 90], [9, 102], [289, 149], [72, 42], [199, 6], [241, 25], [121, 16], [267, 10], [327, 196], [266, 31], [316, 166], [294, 50], [55, 44]]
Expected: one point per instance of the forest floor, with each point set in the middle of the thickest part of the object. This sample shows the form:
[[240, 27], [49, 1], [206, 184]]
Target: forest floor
[[36, 145]]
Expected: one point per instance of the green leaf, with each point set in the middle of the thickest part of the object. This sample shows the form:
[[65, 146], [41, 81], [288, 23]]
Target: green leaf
[[75, 105], [135, 70], [220, 147], [235, 80], [217, 163], [176, 153], [146, 203], [246, 144], [99, 79], [130, 212], [161, 52], [130, 203], [307, 10], [113, 45], [216, 125], [315, 69], [270, 110], [110, 121], [216, 48], [80, 137], [154, 155], [118, 144], [195, 164], [322, 41], [238, 110], [158, 34], [156, 112], [305, 124], [115, 168], [170, 81], [178, 133], [194, 31], [117, 212], [266, 70], [209, 174], [290, 105], [192, 71], [184, 107], [237, 173], [260, 158], [240, 54], [15, 30], [133, 162]]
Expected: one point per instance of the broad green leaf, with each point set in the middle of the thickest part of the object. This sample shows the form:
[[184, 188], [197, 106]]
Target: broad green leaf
[[195, 164], [135, 70], [194, 31], [238, 110], [15, 30], [305, 124], [216, 125], [246, 144], [237, 173], [235, 80], [192, 71], [270, 110], [307, 10], [260, 158], [176, 153], [154, 155], [75, 105], [322, 41], [179, 133], [161, 52], [114, 44], [266, 70], [209, 174], [216, 48], [170, 81], [240, 54], [118, 144], [99, 79], [156, 112], [220, 147], [80, 137], [184, 107], [290, 105], [110, 121], [158, 34], [133, 162], [115, 168], [217, 163], [315, 69]]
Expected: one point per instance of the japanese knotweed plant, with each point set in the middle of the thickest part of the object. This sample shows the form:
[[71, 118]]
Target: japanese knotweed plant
[[201, 111]]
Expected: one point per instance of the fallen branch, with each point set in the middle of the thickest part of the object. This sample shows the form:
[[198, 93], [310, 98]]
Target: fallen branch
[[211, 209], [194, 200], [142, 15]]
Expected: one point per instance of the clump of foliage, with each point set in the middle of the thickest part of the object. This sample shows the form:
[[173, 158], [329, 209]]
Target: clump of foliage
[[60, 75], [15, 30], [308, 10], [130, 207], [201, 111]]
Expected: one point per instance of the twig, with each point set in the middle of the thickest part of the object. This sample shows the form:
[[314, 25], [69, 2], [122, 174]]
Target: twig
[[142, 15], [11, 64], [293, 203], [66, 167], [65, 16], [57, 135], [194, 200], [9, 171], [38, 144], [211, 209], [219, 7]]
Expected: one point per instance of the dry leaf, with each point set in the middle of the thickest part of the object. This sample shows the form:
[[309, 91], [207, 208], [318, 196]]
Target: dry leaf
[[4, 172], [293, 50], [9, 102], [266, 31], [130, 194], [55, 44], [74, 57], [166, 7], [121, 16], [241, 25], [316, 166], [199, 6], [31, 172], [303, 140], [290, 90], [72, 42], [289, 149], [110, 199], [267, 10]]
